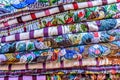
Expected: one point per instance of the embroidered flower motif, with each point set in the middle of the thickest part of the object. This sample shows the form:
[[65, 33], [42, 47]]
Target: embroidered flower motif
[[49, 24], [69, 20], [97, 50], [21, 46], [5, 48], [81, 14]]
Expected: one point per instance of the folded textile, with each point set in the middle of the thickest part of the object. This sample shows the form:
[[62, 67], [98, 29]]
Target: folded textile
[[62, 76], [66, 14], [113, 8], [81, 70], [9, 16], [9, 13], [11, 6], [63, 64], [58, 54], [60, 40], [65, 40], [22, 77], [98, 25], [82, 38]]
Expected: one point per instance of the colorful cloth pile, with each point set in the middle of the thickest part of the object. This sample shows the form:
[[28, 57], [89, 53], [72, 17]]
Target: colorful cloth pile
[[59, 40]]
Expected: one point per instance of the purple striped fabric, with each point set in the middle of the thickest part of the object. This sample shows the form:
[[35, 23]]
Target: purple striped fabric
[[80, 62], [35, 72], [59, 30], [46, 32], [31, 34], [3, 39], [17, 37], [104, 2], [40, 33], [41, 77], [91, 26]]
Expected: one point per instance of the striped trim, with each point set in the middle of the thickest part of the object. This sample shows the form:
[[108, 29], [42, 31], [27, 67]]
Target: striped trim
[[70, 63], [45, 31], [6, 78], [65, 70], [3, 39], [61, 8], [6, 24], [83, 76], [8, 30], [44, 65], [17, 36], [62, 64], [90, 4], [104, 2], [47, 12], [31, 34], [59, 30], [80, 62], [97, 62], [20, 78], [34, 77], [63, 27], [9, 67], [26, 66], [25, 28], [33, 16], [75, 5], [19, 19]]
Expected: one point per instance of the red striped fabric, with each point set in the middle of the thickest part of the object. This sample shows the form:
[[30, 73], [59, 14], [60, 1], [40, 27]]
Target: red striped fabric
[[66, 8], [33, 16]]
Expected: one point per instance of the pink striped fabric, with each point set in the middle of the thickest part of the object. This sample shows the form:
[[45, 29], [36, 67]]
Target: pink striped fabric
[[34, 77]]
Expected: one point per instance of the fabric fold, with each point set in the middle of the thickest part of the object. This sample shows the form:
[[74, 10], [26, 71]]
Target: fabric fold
[[72, 6], [86, 37], [81, 70], [59, 54], [15, 6], [65, 64], [60, 41], [98, 25]]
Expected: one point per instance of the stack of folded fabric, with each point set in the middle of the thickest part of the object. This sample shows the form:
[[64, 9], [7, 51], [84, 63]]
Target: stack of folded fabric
[[59, 40]]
